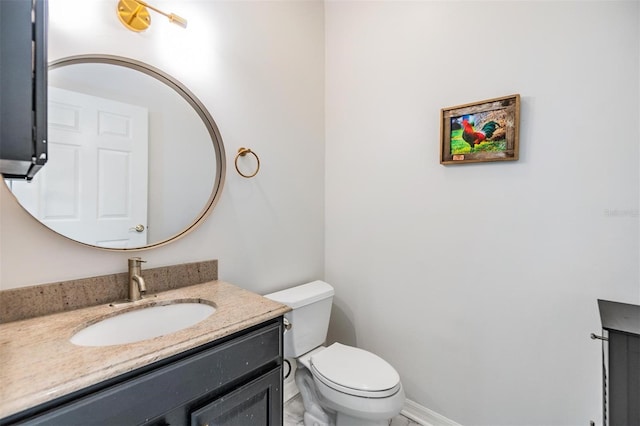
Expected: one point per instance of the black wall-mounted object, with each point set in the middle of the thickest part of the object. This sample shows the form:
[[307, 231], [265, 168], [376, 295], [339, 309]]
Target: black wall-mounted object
[[23, 87], [621, 363]]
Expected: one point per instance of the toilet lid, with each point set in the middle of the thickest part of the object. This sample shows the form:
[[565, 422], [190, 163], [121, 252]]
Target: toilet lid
[[355, 371]]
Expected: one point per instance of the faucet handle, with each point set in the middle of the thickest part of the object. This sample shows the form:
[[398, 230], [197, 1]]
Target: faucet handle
[[136, 260]]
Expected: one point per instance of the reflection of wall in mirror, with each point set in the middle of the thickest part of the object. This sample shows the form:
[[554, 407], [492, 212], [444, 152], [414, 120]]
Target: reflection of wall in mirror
[[180, 148]]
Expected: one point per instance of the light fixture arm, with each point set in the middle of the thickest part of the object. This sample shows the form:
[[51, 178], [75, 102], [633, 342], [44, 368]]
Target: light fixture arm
[[172, 16], [134, 15]]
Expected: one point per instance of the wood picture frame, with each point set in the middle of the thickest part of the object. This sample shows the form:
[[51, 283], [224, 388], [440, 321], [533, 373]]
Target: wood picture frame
[[481, 131]]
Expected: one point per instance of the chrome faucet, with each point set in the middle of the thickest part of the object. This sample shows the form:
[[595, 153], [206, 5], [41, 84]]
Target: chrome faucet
[[137, 286]]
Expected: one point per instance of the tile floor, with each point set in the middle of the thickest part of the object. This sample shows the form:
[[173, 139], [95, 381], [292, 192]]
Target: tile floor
[[294, 410]]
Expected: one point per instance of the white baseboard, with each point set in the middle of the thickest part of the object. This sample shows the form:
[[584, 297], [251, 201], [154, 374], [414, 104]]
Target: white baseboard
[[424, 416], [290, 389]]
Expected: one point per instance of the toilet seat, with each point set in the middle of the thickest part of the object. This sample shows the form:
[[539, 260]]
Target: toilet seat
[[355, 372]]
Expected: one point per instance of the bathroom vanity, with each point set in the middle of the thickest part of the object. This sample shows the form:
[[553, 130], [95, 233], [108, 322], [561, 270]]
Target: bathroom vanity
[[219, 383], [223, 370]]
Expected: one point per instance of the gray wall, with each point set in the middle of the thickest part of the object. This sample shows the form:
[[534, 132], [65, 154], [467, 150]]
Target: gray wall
[[479, 282]]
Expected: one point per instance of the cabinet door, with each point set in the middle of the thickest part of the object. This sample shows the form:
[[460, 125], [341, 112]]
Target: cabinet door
[[257, 403], [624, 379]]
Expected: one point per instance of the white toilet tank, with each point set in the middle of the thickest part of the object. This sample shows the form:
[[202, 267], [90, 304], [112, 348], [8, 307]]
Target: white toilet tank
[[309, 318]]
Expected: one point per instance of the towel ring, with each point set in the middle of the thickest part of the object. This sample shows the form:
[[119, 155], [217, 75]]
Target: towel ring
[[241, 153]]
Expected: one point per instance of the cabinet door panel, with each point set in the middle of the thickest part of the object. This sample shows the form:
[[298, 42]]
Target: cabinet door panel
[[257, 403], [624, 385]]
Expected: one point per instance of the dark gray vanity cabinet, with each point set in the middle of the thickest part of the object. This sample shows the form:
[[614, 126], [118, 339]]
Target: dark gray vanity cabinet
[[621, 363], [233, 381]]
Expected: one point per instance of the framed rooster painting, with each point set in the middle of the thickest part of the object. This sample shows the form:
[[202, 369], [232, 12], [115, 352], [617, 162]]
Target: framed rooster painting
[[482, 131]]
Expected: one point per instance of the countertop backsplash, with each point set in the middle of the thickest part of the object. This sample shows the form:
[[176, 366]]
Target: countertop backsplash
[[28, 302]]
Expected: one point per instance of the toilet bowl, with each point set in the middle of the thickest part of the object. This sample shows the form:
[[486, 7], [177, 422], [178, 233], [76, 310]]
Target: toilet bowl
[[360, 387], [339, 384]]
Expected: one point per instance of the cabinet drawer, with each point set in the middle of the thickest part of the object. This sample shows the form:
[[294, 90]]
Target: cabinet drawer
[[141, 398]]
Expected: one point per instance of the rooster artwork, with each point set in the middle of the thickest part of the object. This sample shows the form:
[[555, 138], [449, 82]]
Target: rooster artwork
[[478, 132], [472, 137]]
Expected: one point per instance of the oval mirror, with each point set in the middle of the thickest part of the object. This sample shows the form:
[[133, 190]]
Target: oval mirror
[[135, 159]]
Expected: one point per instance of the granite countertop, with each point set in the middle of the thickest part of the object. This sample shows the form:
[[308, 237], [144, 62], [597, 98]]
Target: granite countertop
[[39, 364]]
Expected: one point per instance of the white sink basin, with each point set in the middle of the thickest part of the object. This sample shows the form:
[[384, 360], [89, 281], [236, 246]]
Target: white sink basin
[[142, 324]]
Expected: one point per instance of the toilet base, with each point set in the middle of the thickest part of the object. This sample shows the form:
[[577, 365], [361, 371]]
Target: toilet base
[[314, 413], [346, 420]]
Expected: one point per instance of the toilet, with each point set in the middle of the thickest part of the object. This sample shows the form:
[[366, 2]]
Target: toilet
[[340, 385]]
